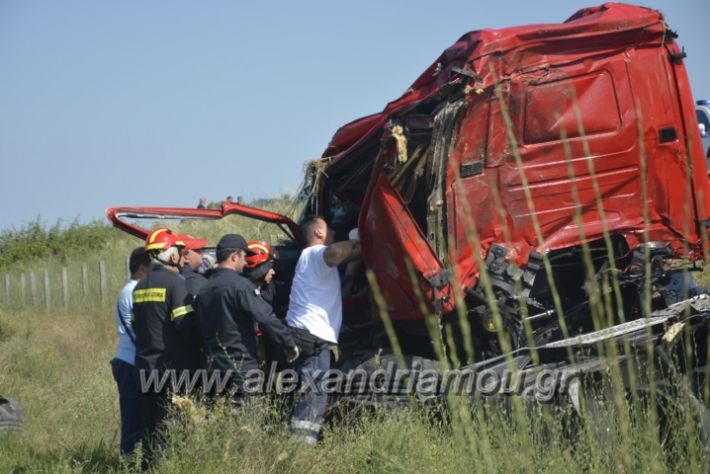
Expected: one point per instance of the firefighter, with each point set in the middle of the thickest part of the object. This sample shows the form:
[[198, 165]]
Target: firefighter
[[229, 306], [259, 268], [167, 334], [191, 262]]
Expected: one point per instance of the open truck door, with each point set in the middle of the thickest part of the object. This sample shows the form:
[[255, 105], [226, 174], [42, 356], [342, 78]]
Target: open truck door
[[410, 276], [278, 230]]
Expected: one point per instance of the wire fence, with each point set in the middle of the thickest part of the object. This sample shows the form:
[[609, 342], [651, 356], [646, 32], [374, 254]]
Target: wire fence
[[63, 286]]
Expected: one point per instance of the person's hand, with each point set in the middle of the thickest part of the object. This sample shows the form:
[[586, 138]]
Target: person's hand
[[292, 354]]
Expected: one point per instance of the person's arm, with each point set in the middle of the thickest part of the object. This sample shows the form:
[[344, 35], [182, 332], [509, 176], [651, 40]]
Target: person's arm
[[261, 312], [183, 315], [340, 252], [124, 307], [351, 270]]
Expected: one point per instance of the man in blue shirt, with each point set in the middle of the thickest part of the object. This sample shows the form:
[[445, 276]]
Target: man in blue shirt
[[123, 363]]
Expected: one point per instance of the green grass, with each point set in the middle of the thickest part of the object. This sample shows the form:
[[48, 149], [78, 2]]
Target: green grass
[[57, 365], [55, 360]]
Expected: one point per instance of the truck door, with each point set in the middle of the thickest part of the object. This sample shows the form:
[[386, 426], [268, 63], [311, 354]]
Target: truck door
[[392, 242], [670, 135], [279, 231]]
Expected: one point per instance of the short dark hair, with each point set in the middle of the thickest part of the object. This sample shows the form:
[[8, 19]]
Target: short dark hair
[[307, 226], [138, 257]]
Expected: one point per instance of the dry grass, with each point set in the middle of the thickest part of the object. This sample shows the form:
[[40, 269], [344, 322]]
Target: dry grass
[[57, 365]]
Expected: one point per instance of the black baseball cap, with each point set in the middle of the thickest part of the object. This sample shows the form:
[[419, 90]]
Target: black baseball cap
[[234, 241]]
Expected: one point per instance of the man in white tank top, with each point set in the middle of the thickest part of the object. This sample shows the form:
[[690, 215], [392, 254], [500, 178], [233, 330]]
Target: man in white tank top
[[315, 312]]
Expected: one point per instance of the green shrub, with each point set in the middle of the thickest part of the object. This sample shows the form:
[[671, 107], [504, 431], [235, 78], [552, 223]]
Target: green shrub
[[35, 241]]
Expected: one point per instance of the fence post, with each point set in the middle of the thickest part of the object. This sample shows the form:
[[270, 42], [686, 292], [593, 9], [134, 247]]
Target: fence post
[[84, 280], [102, 278], [65, 286], [33, 288], [47, 289], [7, 288], [23, 285]]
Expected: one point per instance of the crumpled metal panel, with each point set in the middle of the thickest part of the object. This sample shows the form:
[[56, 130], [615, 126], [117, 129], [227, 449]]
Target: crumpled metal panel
[[394, 244], [611, 79]]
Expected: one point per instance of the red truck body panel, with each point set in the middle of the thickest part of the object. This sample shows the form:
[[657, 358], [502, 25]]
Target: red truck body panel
[[610, 78], [546, 136]]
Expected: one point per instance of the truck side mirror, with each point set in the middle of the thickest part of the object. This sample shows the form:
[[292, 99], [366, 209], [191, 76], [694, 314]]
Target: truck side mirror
[[703, 132]]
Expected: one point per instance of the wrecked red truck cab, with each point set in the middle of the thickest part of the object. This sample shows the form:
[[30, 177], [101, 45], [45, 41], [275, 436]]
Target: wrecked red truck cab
[[522, 144], [523, 163]]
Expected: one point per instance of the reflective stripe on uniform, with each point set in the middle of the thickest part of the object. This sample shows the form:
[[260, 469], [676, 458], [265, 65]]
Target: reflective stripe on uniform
[[149, 295], [181, 311]]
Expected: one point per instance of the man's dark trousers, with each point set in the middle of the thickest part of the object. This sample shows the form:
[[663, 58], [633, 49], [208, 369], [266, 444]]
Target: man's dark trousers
[[127, 381]]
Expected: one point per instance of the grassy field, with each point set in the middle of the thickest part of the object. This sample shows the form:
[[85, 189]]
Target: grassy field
[[59, 368], [57, 364]]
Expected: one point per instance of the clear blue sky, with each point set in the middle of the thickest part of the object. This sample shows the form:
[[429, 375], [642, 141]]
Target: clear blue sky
[[129, 102]]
